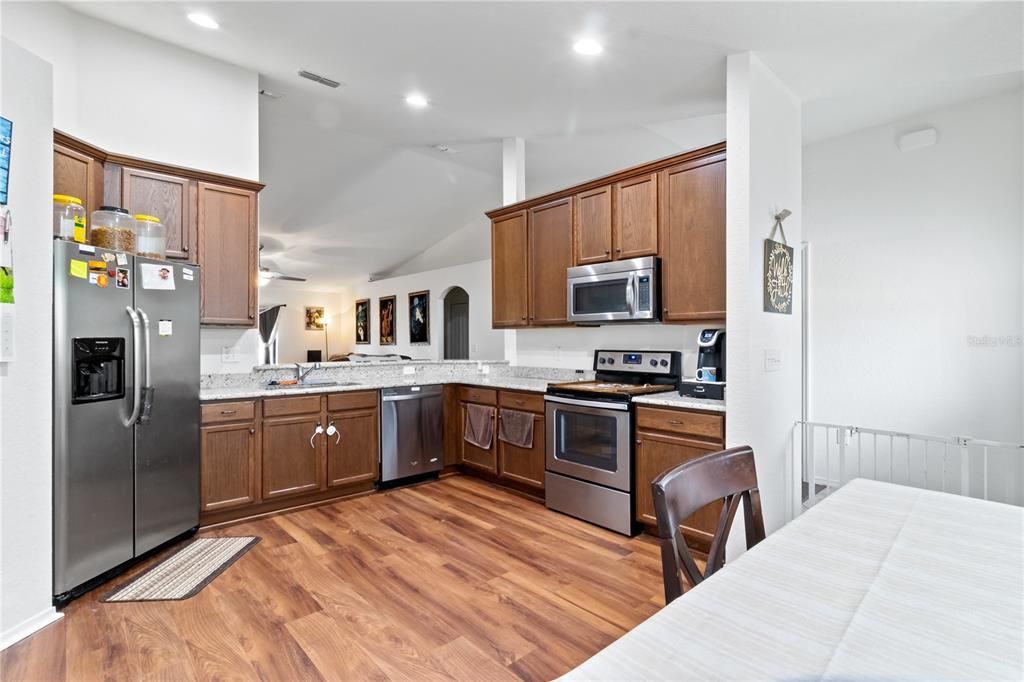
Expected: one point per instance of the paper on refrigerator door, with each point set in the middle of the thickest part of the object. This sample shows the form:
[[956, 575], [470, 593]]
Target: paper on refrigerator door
[[157, 276]]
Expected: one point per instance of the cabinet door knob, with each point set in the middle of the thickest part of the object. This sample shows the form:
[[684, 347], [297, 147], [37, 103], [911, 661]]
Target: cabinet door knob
[[251, 316], [252, 430], [607, 252], [184, 249]]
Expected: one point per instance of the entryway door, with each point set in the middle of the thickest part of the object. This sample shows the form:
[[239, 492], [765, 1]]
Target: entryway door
[[456, 324]]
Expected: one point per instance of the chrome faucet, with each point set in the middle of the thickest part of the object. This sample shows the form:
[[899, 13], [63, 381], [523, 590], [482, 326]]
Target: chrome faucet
[[301, 374]]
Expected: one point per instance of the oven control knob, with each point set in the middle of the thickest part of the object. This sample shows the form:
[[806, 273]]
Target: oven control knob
[[602, 360], [611, 361], [664, 363], [654, 363]]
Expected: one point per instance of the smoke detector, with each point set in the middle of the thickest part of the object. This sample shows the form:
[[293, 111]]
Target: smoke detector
[[317, 78], [270, 95]]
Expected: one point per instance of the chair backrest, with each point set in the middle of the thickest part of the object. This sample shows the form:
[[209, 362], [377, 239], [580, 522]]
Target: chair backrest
[[729, 476]]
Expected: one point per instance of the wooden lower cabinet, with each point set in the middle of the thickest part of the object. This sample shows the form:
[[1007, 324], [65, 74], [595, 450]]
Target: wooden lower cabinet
[[525, 465], [657, 452], [452, 410], [520, 468], [260, 456], [228, 466], [292, 464], [353, 453], [472, 456]]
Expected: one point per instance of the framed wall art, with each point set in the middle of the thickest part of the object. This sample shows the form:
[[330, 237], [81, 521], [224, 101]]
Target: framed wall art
[[778, 270], [315, 318], [387, 320], [363, 320], [419, 318]]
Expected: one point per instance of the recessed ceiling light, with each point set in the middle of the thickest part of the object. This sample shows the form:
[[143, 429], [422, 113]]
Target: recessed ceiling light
[[204, 20], [416, 100], [588, 46]]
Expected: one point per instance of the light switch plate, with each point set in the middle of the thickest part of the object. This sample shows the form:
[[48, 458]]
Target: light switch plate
[[7, 333], [408, 370], [228, 354], [772, 360]]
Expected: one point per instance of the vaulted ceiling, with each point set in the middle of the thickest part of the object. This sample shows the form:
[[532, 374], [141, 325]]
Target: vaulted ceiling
[[354, 185]]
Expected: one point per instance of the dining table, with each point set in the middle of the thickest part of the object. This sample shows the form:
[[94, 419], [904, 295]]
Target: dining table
[[876, 582]]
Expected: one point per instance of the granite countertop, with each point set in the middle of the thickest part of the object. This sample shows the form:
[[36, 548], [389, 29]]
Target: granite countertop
[[510, 383], [673, 399], [245, 392]]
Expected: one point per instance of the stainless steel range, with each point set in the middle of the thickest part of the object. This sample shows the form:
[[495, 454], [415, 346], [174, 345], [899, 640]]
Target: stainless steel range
[[589, 472]]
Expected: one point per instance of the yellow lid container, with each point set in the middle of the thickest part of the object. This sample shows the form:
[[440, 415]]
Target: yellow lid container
[[69, 218]]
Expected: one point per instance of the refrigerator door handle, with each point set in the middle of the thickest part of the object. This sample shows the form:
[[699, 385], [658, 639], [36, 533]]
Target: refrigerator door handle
[[137, 383], [147, 389]]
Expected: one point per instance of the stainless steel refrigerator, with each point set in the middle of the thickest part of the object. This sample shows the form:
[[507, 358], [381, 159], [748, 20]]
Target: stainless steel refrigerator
[[125, 410]]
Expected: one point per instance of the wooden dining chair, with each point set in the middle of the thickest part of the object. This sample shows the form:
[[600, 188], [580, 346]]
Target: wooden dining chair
[[729, 476]]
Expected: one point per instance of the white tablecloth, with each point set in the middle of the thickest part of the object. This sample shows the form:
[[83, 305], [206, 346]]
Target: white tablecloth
[[878, 581]]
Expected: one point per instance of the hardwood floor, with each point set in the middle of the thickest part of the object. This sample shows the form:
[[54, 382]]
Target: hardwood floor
[[454, 579]]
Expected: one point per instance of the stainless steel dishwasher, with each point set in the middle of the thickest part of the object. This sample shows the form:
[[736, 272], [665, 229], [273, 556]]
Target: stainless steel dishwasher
[[411, 428]]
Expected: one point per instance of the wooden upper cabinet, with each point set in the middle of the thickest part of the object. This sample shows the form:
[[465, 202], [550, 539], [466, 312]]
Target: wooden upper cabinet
[[593, 228], [353, 453], [550, 245], [169, 198], [227, 253], [509, 271], [78, 175], [692, 215], [636, 217]]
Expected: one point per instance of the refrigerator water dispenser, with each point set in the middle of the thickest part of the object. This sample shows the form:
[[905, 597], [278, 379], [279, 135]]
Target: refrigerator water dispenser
[[97, 370]]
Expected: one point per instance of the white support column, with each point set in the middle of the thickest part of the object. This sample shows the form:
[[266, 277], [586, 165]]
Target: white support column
[[513, 189], [513, 170], [764, 176]]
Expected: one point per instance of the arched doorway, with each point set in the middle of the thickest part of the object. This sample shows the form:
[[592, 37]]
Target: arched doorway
[[456, 324]]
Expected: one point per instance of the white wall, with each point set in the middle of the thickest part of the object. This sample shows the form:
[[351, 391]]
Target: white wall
[[26, 583], [138, 96], [293, 337], [912, 254], [573, 347], [763, 176], [484, 342]]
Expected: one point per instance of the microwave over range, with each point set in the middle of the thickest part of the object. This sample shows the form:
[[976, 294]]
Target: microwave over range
[[619, 291]]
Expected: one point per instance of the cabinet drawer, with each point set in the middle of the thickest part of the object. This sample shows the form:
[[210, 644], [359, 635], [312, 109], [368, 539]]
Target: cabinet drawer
[[530, 402], [279, 407], [351, 401], [469, 394], [710, 426], [216, 413]]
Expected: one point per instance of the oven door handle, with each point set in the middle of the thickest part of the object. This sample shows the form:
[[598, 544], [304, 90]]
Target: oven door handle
[[620, 407]]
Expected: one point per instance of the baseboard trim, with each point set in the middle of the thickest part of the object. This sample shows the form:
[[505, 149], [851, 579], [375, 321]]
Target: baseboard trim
[[15, 634]]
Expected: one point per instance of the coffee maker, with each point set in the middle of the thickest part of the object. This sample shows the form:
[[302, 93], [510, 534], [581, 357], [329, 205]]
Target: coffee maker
[[710, 379]]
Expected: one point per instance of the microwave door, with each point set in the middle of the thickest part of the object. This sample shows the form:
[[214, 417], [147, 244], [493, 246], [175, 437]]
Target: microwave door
[[601, 298]]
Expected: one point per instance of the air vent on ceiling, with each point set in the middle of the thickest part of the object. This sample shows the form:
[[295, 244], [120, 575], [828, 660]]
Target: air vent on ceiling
[[317, 78]]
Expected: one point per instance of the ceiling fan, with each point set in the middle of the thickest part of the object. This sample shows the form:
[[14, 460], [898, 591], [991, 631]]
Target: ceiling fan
[[267, 274]]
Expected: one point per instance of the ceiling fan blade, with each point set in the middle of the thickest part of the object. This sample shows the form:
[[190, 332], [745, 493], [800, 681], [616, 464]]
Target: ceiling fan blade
[[267, 273]]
